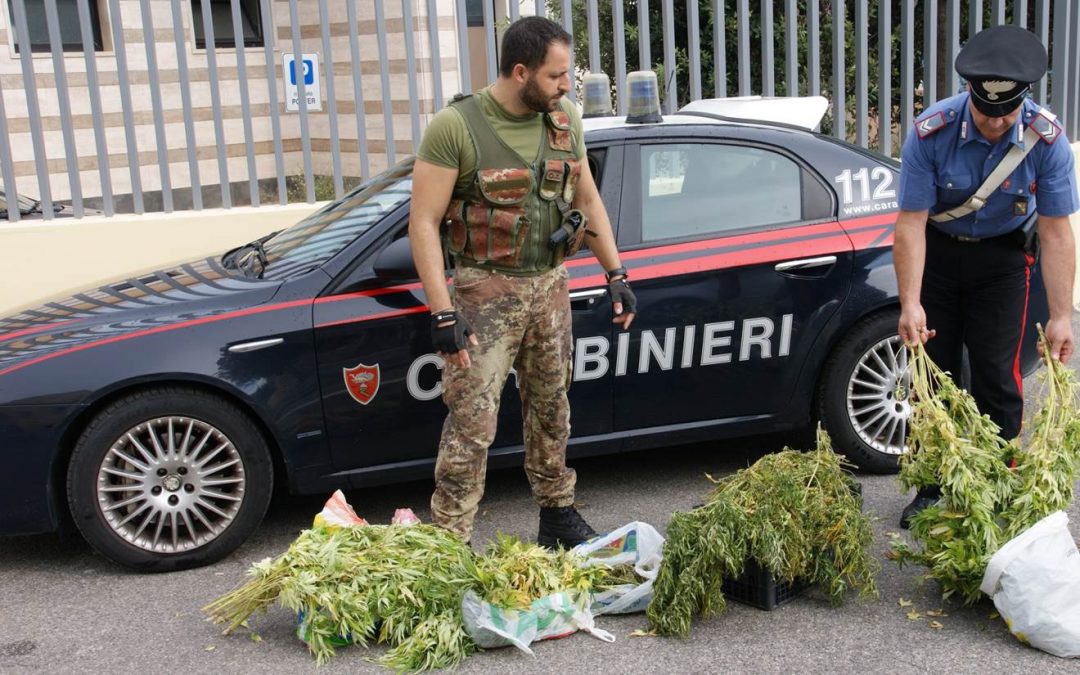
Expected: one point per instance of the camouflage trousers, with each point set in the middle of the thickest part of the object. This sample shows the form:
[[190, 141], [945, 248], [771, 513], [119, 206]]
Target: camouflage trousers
[[524, 323]]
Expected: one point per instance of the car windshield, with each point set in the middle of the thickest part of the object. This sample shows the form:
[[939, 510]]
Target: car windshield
[[323, 234]]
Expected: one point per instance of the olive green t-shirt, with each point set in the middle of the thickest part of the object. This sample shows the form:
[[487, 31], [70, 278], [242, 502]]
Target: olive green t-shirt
[[447, 141]]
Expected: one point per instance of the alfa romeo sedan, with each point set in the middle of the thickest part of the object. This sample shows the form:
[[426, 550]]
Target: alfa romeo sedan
[[158, 413]]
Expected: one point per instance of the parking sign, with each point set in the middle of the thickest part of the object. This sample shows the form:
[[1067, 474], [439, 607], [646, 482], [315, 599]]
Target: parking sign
[[307, 67]]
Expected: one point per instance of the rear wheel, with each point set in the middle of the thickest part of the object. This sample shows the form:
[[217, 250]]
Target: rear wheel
[[169, 479], [864, 395]]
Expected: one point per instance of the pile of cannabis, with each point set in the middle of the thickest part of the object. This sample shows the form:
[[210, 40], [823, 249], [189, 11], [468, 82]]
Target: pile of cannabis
[[797, 514], [992, 490], [401, 586]]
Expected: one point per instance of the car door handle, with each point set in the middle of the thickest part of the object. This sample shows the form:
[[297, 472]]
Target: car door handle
[[255, 346], [804, 264], [588, 297]]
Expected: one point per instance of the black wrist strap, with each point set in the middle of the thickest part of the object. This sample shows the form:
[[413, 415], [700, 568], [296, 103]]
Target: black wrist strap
[[444, 316], [618, 271]]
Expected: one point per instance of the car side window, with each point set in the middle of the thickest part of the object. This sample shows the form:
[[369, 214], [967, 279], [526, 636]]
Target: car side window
[[693, 189]]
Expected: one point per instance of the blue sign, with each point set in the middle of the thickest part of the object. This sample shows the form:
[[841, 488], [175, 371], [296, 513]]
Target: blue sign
[[309, 72]]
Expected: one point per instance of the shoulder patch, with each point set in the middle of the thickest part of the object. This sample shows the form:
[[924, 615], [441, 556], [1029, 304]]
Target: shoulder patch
[[559, 119], [931, 125], [1045, 124]]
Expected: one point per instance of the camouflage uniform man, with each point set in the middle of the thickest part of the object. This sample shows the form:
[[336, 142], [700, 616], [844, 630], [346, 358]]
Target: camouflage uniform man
[[501, 184]]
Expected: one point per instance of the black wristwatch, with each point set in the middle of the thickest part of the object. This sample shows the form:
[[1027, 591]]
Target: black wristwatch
[[618, 271]]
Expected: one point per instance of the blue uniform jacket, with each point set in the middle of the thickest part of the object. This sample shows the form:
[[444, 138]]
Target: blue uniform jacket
[[947, 159]]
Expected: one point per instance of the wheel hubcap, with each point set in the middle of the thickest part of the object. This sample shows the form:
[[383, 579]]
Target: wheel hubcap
[[171, 484], [878, 396]]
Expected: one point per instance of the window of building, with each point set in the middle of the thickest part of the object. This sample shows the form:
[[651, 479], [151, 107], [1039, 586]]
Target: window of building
[[221, 19], [70, 27], [712, 189]]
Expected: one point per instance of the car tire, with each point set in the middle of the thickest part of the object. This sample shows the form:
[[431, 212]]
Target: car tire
[[863, 395], [169, 478]]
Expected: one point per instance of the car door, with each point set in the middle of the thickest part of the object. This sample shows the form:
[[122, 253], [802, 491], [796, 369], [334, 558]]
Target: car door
[[738, 262], [381, 380]]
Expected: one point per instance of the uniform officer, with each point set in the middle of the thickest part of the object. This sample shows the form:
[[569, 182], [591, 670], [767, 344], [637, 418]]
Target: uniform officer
[[502, 185], [964, 276]]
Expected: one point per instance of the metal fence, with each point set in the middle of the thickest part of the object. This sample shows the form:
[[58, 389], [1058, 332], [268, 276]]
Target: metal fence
[[161, 105]]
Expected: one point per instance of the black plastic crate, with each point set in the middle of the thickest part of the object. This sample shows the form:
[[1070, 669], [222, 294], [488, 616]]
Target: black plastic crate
[[757, 587]]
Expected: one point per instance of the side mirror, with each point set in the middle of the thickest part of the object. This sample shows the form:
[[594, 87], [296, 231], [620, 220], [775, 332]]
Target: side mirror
[[395, 262]]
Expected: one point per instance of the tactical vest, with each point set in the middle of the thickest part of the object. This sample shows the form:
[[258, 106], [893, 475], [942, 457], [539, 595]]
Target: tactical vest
[[502, 221]]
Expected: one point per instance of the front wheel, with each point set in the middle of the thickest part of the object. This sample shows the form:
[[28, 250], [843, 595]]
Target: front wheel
[[864, 396], [169, 479]]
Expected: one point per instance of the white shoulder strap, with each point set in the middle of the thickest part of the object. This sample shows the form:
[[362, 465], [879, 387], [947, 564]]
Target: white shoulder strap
[[1008, 163]]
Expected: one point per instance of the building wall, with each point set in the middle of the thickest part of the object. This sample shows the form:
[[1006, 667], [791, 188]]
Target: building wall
[[338, 65]]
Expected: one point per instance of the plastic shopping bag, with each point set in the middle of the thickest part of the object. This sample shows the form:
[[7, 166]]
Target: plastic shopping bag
[[548, 618], [637, 544], [1035, 583]]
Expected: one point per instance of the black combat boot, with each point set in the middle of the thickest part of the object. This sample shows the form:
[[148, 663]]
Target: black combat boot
[[562, 526], [926, 497]]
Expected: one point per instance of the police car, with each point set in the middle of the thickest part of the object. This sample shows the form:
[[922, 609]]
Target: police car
[[158, 412]]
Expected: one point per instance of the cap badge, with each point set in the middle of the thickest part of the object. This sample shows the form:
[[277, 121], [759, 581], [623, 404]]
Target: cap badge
[[994, 88]]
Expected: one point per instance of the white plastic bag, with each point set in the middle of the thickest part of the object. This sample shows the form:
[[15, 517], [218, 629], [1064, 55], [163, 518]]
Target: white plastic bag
[[637, 544], [1035, 583], [551, 617]]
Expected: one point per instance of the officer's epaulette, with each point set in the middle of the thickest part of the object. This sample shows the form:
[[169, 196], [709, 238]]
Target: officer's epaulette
[[931, 125], [1045, 124]]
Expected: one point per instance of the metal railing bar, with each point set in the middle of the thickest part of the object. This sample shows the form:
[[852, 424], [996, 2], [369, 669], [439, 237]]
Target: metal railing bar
[[744, 47], [7, 167], [619, 40], [120, 51], [791, 48], [384, 75], [245, 104], [907, 68], [410, 62], [930, 95], [813, 48], [331, 98], [463, 47], [215, 103], [885, 77], [693, 28], [568, 25], [719, 49], [671, 96], [185, 101], [644, 39], [33, 110], [71, 153], [301, 95], [358, 89], [275, 110], [492, 37], [594, 36], [155, 104], [768, 63], [436, 60], [839, 71]]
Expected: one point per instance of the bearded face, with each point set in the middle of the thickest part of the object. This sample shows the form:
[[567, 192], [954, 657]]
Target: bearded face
[[545, 86], [538, 100]]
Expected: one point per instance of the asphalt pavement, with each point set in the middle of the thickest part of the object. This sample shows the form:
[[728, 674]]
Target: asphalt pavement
[[64, 609]]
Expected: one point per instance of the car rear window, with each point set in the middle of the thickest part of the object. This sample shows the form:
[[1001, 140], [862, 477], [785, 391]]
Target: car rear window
[[691, 189]]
